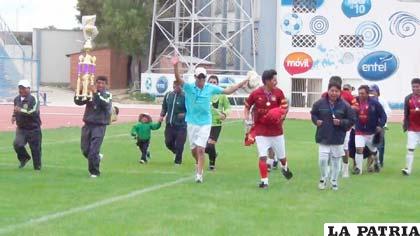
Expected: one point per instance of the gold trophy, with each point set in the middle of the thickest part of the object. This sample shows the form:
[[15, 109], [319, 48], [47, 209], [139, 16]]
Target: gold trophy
[[87, 64]]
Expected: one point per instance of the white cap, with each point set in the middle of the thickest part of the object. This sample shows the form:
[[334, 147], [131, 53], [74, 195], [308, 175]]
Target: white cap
[[200, 70], [24, 83]]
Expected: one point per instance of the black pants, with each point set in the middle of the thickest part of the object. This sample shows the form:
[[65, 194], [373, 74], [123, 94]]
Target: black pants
[[91, 141], [34, 139], [211, 148], [381, 148], [144, 147], [175, 138]]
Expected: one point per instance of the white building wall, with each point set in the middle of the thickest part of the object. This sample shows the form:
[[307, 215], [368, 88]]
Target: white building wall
[[51, 48], [328, 57]]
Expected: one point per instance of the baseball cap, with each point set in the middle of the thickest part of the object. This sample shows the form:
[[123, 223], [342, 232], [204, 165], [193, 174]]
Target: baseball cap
[[374, 88], [199, 72], [24, 83]]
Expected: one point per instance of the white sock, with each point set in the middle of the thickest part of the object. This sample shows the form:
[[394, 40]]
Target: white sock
[[359, 161], [335, 169], [410, 158], [264, 180], [345, 167]]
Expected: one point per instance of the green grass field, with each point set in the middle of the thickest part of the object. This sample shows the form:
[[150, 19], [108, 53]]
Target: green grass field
[[134, 199]]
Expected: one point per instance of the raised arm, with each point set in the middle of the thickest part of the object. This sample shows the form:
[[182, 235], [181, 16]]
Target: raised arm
[[235, 87], [178, 78]]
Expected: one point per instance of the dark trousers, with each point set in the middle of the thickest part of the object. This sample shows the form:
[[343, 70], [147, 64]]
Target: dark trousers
[[34, 139], [211, 148], [175, 138], [91, 141], [144, 147], [381, 148]]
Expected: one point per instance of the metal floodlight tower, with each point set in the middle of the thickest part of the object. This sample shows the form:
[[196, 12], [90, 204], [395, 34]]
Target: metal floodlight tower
[[189, 27]]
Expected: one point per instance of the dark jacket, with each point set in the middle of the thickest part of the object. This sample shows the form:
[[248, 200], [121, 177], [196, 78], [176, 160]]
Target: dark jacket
[[98, 110], [376, 117], [29, 117], [406, 122], [328, 133], [173, 107]]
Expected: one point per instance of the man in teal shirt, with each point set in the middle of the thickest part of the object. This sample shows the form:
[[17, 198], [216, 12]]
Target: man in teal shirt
[[197, 101]]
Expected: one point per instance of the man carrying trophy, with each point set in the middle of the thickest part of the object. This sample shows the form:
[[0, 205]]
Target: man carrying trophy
[[97, 99]]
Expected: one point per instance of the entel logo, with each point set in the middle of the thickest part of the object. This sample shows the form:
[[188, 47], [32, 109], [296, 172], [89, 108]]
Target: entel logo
[[297, 63], [378, 66]]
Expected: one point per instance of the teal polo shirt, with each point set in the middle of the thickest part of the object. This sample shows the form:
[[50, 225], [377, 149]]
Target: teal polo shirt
[[198, 103]]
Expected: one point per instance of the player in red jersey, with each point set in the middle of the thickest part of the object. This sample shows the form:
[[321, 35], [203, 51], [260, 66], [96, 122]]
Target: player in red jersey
[[412, 123], [270, 109]]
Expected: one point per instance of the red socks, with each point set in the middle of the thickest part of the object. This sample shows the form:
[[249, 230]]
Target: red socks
[[263, 169]]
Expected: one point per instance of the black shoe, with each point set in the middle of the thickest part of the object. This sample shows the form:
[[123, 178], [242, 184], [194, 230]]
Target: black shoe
[[263, 185], [212, 168], [275, 164], [23, 163], [356, 171], [37, 168], [377, 168], [148, 155], [287, 173]]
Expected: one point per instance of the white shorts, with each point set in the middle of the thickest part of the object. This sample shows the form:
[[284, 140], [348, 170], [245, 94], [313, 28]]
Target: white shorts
[[333, 150], [198, 135], [346, 141], [413, 139], [365, 140], [275, 142]]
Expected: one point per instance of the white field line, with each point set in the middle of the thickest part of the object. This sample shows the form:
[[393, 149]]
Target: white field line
[[104, 202]]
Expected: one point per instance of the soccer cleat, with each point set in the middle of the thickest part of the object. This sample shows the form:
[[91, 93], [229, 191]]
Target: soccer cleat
[[263, 185], [93, 176], [148, 155], [212, 168], [287, 173], [143, 161], [23, 163], [101, 156], [356, 171], [322, 185], [334, 187], [199, 179], [405, 172], [275, 164]]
